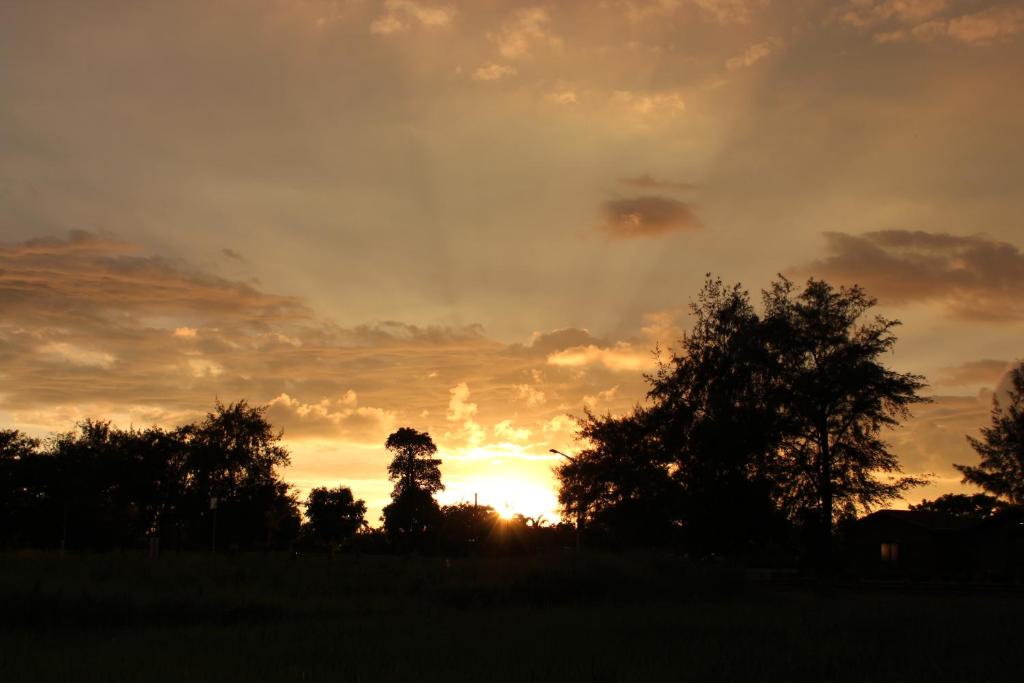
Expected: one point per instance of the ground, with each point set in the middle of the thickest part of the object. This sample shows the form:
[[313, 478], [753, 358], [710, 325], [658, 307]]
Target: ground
[[558, 618]]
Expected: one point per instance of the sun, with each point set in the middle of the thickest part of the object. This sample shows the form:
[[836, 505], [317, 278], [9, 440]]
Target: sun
[[509, 494]]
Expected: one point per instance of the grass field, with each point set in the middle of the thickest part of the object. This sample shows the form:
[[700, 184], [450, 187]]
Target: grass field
[[592, 618]]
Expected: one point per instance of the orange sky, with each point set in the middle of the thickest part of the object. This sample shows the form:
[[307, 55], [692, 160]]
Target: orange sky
[[475, 218]]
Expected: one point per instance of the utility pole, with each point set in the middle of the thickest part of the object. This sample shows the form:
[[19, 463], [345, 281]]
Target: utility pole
[[579, 507]]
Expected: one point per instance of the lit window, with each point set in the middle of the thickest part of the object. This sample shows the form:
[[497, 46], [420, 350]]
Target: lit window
[[890, 552]]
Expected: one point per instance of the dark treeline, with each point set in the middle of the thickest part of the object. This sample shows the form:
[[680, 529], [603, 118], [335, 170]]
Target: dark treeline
[[763, 433], [100, 487], [217, 484]]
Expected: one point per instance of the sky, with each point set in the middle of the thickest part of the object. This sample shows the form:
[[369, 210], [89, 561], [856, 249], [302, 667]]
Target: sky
[[477, 218]]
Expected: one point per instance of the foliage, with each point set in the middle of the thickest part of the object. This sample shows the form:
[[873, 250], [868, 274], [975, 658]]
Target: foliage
[[619, 483], [837, 397], [754, 419], [1001, 447], [715, 410], [976, 506], [413, 512], [413, 465], [334, 515], [100, 487]]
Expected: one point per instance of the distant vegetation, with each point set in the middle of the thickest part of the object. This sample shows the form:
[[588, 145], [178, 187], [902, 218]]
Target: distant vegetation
[[762, 433]]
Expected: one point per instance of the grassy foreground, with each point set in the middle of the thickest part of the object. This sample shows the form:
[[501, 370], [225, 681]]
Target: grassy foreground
[[562, 618]]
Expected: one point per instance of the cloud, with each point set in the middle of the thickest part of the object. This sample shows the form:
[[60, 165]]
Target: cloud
[[866, 13], [647, 182], [543, 343], [231, 254], [459, 408], [493, 72], [973, 276], [506, 431], [647, 216], [601, 397], [564, 96], [730, 11], [400, 15], [204, 367], [985, 372], [660, 328], [69, 353], [919, 20], [754, 54], [988, 27], [529, 395], [645, 105], [88, 277], [525, 29], [622, 357], [641, 10], [331, 419]]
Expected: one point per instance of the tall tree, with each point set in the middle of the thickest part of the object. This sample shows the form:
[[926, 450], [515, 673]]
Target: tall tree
[[839, 397], [758, 418], [715, 411], [417, 477], [1001, 447]]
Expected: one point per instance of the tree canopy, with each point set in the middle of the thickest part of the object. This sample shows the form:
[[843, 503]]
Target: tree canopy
[[1001, 447], [754, 419], [416, 473], [98, 486], [334, 515]]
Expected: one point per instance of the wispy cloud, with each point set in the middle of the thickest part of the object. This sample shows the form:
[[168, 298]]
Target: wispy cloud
[[400, 15], [647, 216]]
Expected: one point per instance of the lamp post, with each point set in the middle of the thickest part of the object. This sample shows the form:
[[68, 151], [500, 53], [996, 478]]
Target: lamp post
[[579, 507]]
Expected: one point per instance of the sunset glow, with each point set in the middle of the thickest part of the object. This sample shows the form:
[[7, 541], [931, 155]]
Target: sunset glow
[[478, 219]]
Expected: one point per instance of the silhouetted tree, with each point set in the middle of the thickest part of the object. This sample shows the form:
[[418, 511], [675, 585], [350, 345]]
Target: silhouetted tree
[[16, 498], [233, 455], [98, 486], [417, 476], [838, 397], [753, 420], [620, 483], [715, 412], [334, 515], [1001, 447], [975, 506]]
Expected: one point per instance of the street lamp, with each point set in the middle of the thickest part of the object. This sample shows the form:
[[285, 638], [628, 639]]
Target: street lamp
[[579, 507]]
